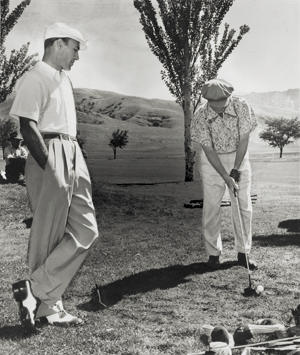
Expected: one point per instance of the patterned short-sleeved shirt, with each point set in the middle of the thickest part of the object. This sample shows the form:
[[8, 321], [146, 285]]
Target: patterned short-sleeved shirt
[[223, 133]]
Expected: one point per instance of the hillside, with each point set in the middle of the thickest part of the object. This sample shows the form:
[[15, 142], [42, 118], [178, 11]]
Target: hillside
[[141, 111], [285, 100], [168, 114], [98, 106]]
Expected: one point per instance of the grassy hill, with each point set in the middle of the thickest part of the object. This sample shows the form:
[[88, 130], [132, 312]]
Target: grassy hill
[[285, 100], [168, 114], [141, 111], [98, 106], [155, 127]]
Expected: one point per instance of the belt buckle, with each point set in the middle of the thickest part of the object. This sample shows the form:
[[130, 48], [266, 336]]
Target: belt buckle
[[65, 137]]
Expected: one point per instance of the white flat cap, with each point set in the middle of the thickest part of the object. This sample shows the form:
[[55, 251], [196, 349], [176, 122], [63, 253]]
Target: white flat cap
[[61, 30]]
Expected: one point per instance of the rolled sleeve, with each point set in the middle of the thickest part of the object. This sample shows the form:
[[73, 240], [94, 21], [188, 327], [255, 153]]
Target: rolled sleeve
[[25, 105], [199, 129]]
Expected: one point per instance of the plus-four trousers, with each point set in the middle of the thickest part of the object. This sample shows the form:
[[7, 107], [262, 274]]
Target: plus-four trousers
[[64, 225], [213, 189]]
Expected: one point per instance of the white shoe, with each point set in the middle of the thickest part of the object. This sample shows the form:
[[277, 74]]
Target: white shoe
[[63, 318]]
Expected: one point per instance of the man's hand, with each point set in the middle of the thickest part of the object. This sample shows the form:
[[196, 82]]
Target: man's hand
[[231, 183], [34, 141], [236, 175]]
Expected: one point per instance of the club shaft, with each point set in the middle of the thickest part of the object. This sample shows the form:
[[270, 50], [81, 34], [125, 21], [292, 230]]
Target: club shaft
[[270, 342], [243, 234]]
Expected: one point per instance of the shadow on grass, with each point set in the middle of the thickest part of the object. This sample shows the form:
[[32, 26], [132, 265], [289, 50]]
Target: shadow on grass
[[277, 240], [15, 332], [291, 225], [146, 281]]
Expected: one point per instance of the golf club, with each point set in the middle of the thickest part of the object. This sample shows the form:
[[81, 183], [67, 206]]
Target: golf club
[[269, 343], [97, 288], [249, 291]]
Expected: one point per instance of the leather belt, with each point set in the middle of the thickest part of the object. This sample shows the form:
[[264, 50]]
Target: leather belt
[[58, 135]]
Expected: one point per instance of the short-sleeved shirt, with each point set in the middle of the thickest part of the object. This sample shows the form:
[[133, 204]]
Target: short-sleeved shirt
[[223, 133], [45, 96]]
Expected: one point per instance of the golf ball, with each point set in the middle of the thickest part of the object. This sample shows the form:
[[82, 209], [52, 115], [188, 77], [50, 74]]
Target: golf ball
[[259, 288]]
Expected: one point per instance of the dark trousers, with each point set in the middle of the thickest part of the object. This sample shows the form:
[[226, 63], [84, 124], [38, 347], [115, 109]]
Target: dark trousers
[[15, 169]]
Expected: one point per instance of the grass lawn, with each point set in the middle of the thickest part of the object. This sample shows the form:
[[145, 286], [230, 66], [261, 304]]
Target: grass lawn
[[150, 263]]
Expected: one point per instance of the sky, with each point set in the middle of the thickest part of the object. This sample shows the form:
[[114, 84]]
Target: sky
[[118, 57]]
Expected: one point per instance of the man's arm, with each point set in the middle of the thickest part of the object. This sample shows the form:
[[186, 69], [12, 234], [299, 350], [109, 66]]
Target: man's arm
[[241, 150], [217, 164], [34, 141]]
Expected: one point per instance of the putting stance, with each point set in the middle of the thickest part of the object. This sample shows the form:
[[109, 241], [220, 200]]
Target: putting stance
[[222, 126], [64, 225]]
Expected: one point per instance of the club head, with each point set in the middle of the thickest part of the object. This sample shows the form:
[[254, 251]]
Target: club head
[[251, 292], [99, 298]]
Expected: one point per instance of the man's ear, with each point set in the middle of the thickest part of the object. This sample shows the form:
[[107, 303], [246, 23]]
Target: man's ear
[[59, 44]]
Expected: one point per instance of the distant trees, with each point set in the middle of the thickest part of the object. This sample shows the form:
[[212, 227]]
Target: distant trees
[[7, 126], [119, 140], [186, 42], [18, 63], [281, 132]]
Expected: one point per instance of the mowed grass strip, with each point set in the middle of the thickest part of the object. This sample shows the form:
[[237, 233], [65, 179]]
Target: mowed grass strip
[[150, 265]]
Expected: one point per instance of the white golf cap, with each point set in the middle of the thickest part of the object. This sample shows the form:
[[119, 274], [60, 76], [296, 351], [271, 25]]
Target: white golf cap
[[61, 30]]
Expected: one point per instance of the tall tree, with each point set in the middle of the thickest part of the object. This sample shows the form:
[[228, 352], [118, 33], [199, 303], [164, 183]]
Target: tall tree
[[281, 132], [186, 42], [12, 68]]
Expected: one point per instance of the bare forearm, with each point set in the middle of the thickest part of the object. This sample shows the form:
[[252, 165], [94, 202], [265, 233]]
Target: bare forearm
[[34, 141], [241, 150], [215, 161]]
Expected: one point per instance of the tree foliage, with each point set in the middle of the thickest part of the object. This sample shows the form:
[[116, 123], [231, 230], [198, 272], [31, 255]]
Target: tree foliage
[[194, 23], [12, 68], [7, 126], [185, 38], [119, 140], [281, 132]]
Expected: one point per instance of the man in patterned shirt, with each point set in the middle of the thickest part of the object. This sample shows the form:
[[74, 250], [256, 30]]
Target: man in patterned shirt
[[222, 127]]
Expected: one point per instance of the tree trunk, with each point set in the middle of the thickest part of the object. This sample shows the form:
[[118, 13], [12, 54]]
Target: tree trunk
[[115, 153], [3, 148], [189, 152], [281, 149]]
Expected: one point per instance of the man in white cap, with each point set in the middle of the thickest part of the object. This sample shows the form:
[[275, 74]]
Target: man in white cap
[[222, 126], [64, 226]]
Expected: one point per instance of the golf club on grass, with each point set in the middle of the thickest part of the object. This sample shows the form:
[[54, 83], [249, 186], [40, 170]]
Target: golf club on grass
[[249, 291], [269, 343], [97, 288], [92, 269]]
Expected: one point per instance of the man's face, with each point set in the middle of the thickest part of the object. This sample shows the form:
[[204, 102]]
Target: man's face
[[68, 54], [218, 109]]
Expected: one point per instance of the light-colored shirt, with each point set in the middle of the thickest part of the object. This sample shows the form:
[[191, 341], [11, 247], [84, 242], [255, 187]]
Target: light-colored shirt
[[223, 133], [12, 152], [45, 96]]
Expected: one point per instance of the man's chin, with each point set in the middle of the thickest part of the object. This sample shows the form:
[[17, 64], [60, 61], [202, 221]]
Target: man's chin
[[67, 68]]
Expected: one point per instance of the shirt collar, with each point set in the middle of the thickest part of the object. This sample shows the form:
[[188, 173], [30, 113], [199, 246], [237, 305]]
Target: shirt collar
[[51, 72], [230, 108]]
